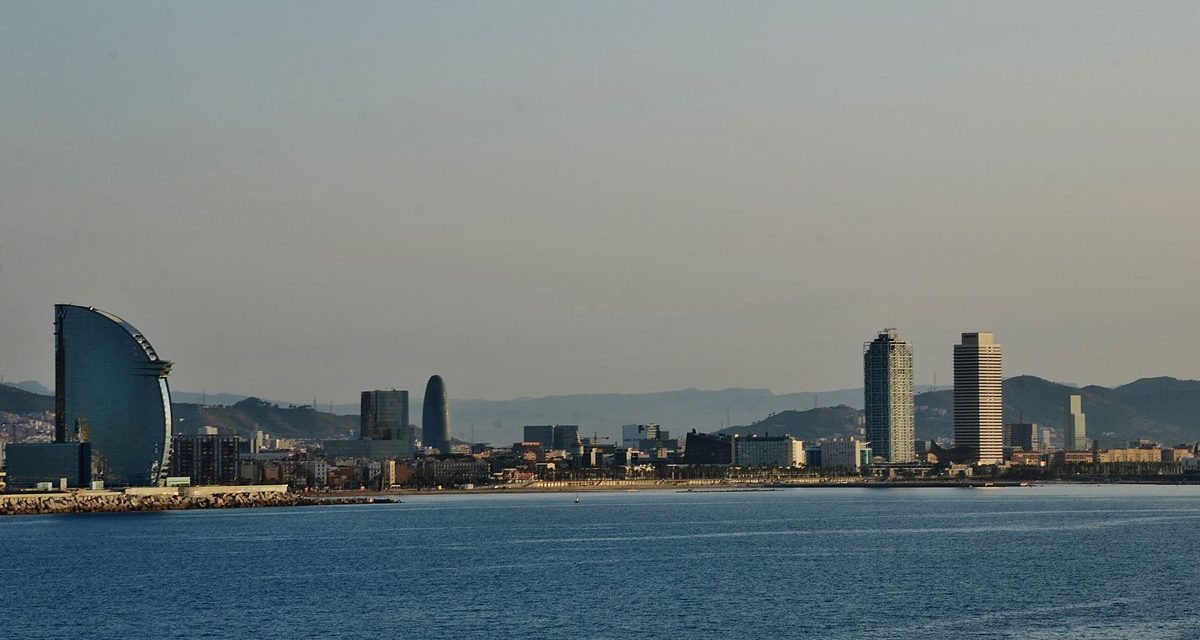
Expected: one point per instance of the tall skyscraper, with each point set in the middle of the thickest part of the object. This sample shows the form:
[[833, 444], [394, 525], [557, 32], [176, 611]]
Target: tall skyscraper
[[888, 397], [383, 415], [435, 416], [1075, 424], [978, 397], [111, 390]]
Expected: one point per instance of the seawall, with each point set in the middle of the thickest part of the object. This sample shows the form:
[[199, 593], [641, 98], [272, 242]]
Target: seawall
[[111, 502]]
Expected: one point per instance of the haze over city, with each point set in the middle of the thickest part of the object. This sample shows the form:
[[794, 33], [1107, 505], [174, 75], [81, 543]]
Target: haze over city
[[550, 198]]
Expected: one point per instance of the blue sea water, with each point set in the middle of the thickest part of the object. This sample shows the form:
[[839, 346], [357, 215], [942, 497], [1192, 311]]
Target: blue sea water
[[1039, 562]]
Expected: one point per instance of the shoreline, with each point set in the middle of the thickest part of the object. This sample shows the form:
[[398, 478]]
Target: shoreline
[[63, 503]]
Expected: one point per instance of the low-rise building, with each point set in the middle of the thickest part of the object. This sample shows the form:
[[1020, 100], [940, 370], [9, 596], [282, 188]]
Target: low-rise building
[[774, 452], [1028, 458], [1177, 454], [1073, 457], [1129, 455], [708, 448], [34, 463], [849, 454]]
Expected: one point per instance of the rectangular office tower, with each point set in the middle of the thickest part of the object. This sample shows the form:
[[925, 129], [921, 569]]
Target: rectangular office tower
[[1075, 426], [978, 397], [888, 397], [383, 415]]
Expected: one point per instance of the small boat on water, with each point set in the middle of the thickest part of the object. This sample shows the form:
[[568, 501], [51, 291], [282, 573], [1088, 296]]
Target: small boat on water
[[576, 498]]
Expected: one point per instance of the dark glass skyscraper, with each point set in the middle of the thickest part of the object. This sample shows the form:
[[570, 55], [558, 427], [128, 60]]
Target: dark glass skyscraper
[[435, 417], [111, 390], [384, 415]]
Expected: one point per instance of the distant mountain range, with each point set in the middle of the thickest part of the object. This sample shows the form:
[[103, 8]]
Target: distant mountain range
[[243, 417], [32, 386], [1163, 409]]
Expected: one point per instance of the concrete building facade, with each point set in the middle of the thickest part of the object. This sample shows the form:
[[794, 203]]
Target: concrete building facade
[[1075, 424], [979, 397]]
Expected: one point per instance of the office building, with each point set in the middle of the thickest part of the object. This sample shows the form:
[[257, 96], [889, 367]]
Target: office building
[[111, 390], [32, 463], [978, 397], [1025, 436], [542, 434], [206, 459], [706, 448], [773, 452], [383, 415], [435, 416], [888, 397], [1075, 424], [565, 436]]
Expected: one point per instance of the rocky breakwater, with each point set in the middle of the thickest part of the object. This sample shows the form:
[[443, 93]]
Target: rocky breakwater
[[119, 502]]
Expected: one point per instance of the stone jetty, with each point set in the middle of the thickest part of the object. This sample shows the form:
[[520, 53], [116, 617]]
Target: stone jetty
[[111, 502]]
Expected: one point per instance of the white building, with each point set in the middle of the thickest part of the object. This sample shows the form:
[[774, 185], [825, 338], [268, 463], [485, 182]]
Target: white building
[[849, 455], [319, 470], [774, 452]]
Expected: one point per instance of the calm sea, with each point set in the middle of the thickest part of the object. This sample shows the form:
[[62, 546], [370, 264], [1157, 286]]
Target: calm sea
[[1039, 562]]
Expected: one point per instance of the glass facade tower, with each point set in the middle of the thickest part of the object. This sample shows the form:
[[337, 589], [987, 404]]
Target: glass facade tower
[[111, 390], [435, 416], [383, 415], [888, 397]]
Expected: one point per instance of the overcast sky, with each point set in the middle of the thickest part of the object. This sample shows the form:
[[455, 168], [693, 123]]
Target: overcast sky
[[296, 199]]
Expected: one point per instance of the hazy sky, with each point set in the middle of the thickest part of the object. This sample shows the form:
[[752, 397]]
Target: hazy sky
[[295, 199]]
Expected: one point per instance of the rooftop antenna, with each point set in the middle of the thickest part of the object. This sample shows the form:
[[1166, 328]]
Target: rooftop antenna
[[728, 422]]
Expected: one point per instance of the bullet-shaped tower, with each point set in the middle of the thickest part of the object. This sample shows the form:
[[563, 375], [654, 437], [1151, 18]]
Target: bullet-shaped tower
[[435, 416]]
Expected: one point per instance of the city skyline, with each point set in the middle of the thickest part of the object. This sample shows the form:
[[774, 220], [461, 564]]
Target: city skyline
[[547, 199], [720, 289]]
